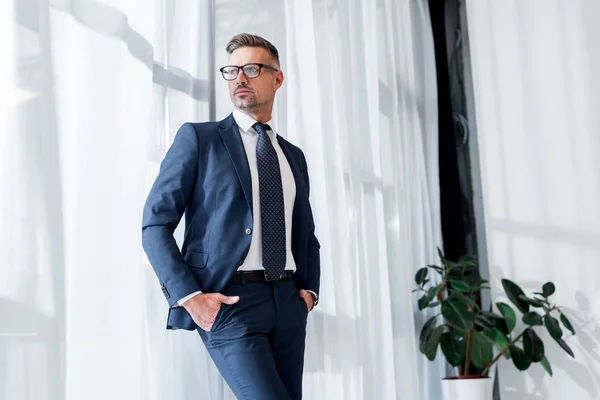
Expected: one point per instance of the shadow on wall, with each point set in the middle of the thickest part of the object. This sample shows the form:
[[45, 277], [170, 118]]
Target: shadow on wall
[[109, 21]]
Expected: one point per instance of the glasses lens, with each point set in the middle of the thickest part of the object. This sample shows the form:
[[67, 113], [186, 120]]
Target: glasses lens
[[251, 70], [230, 73]]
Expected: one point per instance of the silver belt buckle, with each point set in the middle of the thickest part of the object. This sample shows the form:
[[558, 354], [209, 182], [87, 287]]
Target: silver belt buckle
[[267, 277]]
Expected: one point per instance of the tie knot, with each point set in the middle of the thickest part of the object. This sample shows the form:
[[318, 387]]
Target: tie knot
[[261, 128]]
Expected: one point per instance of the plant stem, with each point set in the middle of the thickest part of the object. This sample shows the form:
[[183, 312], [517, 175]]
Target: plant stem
[[487, 369], [469, 348], [440, 295]]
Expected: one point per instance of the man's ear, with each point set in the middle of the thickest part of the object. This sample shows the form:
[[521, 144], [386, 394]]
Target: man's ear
[[279, 79]]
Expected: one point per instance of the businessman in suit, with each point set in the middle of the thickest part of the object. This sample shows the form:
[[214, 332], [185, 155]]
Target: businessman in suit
[[248, 271]]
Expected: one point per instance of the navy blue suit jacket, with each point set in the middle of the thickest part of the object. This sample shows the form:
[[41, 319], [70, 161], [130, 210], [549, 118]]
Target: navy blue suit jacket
[[205, 175]]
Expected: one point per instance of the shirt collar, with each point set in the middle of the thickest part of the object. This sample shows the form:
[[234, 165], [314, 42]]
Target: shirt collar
[[245, 122]]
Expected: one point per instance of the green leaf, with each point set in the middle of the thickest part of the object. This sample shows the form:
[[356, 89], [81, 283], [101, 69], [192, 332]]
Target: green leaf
[[455, 278], [436, 268], [532, 302], [553, 327], [457, 314], [455, 270], [421, 275], [441, 255], [502, 327], [467, 301], [533, 346], [546, 364], [542, 300], [426, 332], [497, 321], [509, 316], [565, 347], [467, 258], [513, 291], [484, 323], [499, 339], [434, 304], [491, 315], [461, 286], [566, 323], [548, 289], [427, 298], [533, 318], [467, 261], [433, 342], [519, 358], [454, 348], [481, 350]]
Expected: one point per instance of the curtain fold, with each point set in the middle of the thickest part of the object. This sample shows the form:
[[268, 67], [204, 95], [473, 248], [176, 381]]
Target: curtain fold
[[96, 91]]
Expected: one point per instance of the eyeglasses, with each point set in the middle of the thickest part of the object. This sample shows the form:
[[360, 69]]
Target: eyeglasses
[[230, 72]]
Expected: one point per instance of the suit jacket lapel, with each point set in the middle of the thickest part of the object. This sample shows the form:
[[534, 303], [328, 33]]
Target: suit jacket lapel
[[293, 163], [230, 135], [298, 212]]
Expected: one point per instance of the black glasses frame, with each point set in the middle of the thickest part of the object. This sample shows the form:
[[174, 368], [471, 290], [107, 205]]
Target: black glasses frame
[[241, 67]]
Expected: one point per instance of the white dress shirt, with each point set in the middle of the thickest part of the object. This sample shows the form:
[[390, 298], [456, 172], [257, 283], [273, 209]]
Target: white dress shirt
[[253, 260]]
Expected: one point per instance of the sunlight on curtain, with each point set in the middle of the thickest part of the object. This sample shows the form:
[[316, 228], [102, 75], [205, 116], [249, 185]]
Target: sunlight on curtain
[[535, 69], [96, 90]]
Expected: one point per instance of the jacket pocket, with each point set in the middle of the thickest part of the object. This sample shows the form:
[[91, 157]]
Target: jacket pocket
[[196, 259]]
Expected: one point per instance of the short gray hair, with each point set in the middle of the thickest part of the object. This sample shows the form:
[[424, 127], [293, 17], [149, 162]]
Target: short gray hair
[[248, 40]]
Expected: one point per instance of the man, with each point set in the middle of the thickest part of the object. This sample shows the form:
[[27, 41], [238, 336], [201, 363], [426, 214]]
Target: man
[[248, 271]]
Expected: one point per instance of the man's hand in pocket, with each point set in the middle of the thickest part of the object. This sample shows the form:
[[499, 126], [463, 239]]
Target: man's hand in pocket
[[204, 307]]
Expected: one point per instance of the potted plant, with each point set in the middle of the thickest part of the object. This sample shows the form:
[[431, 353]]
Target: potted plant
[[467, 334]]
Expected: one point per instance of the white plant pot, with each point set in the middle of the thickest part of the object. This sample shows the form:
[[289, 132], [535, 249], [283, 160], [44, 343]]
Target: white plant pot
[[467, 388]]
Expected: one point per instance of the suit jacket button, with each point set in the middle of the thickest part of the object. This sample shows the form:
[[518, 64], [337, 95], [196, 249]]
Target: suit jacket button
[[248, 231]]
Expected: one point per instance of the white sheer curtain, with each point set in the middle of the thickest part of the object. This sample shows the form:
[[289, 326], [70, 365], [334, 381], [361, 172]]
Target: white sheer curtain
[[92, 93], [537, 92]]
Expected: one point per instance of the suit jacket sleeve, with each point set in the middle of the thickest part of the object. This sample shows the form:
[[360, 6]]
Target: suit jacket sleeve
[[163, 210], [313, 281]]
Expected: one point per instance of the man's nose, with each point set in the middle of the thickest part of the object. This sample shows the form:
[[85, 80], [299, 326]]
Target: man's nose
[[241, 78]]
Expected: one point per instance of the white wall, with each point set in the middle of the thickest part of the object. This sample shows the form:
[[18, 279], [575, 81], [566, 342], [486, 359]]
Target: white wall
[[536, 73]]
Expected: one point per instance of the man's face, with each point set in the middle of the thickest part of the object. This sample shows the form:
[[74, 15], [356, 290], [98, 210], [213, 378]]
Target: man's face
[[253, 94]]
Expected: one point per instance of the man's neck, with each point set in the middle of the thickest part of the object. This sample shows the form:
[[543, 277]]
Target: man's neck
[[259, 116]]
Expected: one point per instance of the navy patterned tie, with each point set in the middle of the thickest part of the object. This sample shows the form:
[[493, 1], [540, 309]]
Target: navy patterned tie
[[272, 212]]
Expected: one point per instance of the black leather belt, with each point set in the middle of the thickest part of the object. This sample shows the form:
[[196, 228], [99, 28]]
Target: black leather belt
[[259, 276]]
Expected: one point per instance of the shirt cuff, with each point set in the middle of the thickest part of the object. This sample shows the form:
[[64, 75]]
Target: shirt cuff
[[186, 298]]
